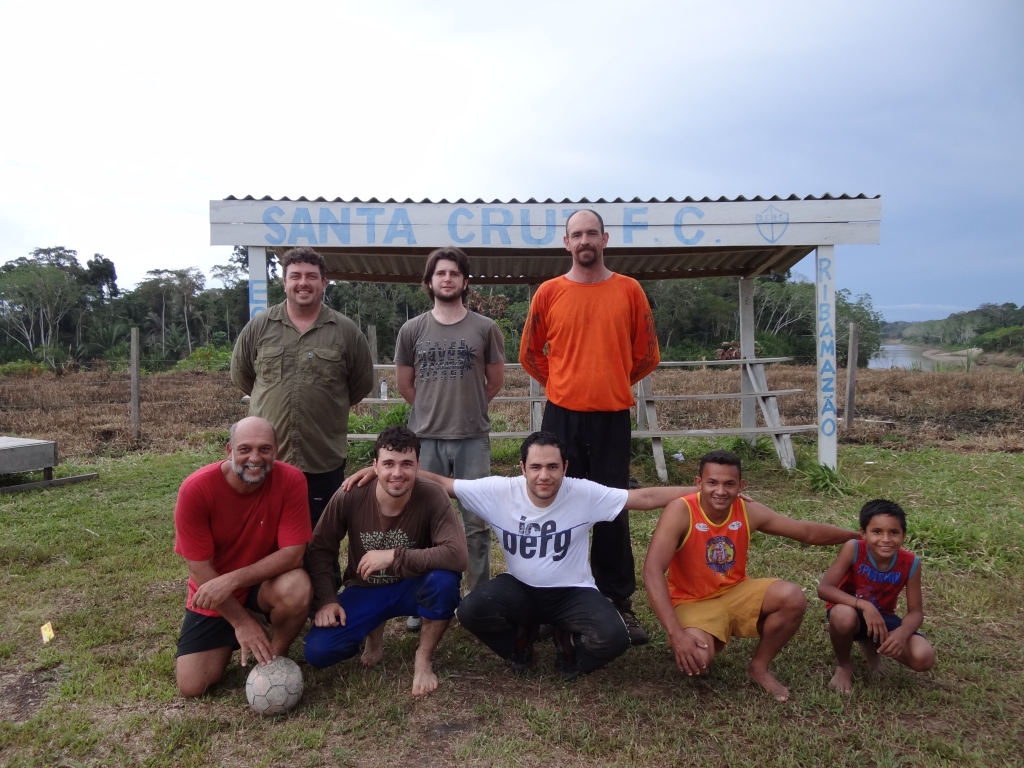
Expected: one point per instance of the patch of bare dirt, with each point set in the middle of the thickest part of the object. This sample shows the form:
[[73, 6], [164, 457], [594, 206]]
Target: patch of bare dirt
[[24, 692]]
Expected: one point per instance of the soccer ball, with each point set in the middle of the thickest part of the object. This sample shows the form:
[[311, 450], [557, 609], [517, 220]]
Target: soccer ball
[[274, 688]]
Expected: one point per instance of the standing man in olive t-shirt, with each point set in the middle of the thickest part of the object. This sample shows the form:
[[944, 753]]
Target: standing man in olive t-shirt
[[406, 553], [304, 364], [450, 364], [600, 339]]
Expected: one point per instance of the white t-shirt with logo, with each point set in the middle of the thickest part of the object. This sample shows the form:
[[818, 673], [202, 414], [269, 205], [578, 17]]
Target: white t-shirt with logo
[[544, 546]]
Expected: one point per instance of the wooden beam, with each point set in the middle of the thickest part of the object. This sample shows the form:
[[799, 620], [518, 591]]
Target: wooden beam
[[50, 483], [770, 262]]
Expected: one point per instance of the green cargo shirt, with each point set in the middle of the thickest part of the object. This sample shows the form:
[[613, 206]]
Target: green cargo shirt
[[303, 384]]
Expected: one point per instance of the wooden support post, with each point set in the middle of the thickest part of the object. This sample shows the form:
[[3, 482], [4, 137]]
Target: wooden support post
[[371, 339], [851, 374], [825, 350], [135, 411], [748, 408], [536, 410], [645, 409], [257, 280]]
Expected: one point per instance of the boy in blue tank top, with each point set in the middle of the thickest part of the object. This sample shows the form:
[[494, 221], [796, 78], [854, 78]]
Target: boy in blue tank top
[[861, 589]]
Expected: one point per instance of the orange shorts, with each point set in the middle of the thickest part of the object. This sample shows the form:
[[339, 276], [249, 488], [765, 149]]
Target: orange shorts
[[734, 613]]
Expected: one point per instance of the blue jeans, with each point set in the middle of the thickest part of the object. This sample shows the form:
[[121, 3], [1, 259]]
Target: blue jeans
[[435, 595]]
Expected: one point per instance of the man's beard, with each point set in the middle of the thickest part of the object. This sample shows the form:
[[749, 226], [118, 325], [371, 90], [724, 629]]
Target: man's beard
[[449, 300], [240, 471], [586, 257]]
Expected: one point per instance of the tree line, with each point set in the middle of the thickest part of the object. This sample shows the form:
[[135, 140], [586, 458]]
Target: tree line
[[62, 314], [992, 327]]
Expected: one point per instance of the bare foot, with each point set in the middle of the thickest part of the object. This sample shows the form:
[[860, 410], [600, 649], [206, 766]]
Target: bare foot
[[424, 680], [764, 678], [373, 651], [875, 662], [842, 680]]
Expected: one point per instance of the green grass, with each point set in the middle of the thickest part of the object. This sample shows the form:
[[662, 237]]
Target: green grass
[[97, 560]]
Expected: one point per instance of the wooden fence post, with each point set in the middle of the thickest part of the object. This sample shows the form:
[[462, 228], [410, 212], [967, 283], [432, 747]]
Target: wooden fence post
[[136, 415], [851, 374]]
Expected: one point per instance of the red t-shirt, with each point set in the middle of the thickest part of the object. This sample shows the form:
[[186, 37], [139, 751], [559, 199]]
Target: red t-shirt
[[212, 521]]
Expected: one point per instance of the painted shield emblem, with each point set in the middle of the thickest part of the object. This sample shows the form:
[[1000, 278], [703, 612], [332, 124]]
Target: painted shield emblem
[[721, 554], [772, 223]]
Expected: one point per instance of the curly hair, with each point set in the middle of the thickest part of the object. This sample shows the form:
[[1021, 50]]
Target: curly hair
[[398, 439], [303, 255]]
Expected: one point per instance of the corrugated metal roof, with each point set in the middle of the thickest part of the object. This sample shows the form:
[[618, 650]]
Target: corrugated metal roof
[[512, 264], [565, 201]]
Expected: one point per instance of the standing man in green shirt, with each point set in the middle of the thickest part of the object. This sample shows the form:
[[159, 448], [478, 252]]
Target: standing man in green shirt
[[304, 365]]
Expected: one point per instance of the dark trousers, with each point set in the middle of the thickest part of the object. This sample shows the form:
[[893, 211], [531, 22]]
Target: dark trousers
[[322, 486], [495, 610], [598, 448]]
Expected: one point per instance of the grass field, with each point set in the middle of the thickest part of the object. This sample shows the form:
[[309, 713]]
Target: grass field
[[96, 560]]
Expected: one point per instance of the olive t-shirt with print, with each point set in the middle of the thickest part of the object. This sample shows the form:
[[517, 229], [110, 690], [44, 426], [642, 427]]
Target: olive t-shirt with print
[[448, 363], [427, 535]]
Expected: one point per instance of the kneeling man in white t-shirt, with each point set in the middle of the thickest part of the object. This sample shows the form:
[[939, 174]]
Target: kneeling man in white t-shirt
[[543, 520]]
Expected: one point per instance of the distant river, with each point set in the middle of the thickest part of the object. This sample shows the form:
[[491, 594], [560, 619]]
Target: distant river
[[901, 356]]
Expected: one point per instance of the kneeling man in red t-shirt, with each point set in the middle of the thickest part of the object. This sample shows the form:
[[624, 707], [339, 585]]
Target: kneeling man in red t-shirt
[[242, 526]]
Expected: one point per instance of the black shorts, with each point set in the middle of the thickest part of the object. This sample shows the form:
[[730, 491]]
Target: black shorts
[[200, 632], [892, 621]]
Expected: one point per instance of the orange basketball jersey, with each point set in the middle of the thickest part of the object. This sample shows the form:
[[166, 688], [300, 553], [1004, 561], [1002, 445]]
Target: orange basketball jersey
[[712, 557]]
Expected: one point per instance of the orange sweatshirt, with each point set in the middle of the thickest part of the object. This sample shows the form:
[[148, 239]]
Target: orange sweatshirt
[[600, 337]]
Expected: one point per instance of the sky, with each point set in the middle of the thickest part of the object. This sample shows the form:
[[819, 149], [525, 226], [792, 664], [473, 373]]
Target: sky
[[122, 121]]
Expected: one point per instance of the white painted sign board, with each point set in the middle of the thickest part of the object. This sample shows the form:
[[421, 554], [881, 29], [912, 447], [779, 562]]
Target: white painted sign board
[[541, 225]]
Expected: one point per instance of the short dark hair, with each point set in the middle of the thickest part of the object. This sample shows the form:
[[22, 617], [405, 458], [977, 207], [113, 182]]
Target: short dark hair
[[877, 507], [303, 255], [581, 210], [398, 439], [448, 253], [541, 438], [728, 458]]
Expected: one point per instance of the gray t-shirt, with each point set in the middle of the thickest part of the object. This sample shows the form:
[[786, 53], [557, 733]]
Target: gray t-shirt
[[448, 363]]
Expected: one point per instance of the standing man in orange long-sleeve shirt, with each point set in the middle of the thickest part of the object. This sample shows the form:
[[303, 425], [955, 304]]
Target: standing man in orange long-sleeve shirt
[[601, 340]]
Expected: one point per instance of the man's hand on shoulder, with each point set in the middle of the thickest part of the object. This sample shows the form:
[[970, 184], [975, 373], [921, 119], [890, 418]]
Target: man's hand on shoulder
[[331, 615], [214, 592], [359, 479]]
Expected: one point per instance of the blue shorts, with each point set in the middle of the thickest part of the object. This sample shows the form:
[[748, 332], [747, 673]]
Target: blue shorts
[[435, 595], [892, 621]]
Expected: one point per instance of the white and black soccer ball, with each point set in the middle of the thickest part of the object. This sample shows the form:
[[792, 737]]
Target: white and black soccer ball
[[274, 688]]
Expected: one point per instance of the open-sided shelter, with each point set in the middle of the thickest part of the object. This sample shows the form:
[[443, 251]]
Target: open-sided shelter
[[521, 242]]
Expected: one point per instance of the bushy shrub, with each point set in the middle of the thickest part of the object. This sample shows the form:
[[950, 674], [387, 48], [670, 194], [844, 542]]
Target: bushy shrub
[[22, 368], [206, 359]]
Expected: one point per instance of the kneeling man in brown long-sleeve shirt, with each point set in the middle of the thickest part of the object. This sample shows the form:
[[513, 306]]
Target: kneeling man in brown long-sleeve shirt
[[406, 554]]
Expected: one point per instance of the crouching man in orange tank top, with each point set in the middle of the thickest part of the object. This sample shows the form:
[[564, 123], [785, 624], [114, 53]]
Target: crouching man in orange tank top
[[702, 541]]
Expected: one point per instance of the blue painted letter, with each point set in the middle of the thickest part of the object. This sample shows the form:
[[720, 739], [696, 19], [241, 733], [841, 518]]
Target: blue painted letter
[[453, 227], [278, 231], [549, 227], [679, 225], [341, 228], [629, 226], [400, 226], [486, 227], [302, 226], [371, 215]]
